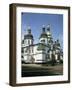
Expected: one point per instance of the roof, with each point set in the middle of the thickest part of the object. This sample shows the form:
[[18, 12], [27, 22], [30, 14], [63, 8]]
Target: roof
[[43, 35], [36, 45], [28, 36], [41, 47]]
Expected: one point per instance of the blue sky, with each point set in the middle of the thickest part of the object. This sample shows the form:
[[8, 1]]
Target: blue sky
[[37, 20]]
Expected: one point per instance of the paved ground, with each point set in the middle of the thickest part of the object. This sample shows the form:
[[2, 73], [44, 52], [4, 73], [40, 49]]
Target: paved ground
[[41, 70]]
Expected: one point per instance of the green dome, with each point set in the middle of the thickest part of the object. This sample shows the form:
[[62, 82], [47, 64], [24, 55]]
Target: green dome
[[28, 36], [41, 47], [43, 35]]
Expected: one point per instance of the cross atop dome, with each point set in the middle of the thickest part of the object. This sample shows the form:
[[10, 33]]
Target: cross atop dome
[[43, 28], [48, 27], [28, 34], [28, 27], [29, 30]]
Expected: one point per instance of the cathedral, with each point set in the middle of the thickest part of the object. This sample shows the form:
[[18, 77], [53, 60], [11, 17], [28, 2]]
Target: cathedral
[[45, 51]]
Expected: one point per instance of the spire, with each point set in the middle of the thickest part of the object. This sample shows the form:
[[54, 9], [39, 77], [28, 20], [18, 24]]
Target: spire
[[43, 28], [49, 32]]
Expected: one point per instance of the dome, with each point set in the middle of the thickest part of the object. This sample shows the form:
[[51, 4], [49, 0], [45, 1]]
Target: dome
[[49, 33], [43, 35], [28, 36]]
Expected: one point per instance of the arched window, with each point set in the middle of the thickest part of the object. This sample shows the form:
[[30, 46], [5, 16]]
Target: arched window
[[43, 41], [29, 42]]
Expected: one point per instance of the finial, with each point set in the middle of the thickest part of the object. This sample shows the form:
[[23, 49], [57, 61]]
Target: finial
[[57, 40], [28, 28], [43, 28], [48, 27]]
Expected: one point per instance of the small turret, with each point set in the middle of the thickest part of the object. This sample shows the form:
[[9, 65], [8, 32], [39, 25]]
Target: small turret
[[28, 38], [43, 28], [43, 36], [48, 27], [49, 36], [28, 30], [29, 34], [48, 31]]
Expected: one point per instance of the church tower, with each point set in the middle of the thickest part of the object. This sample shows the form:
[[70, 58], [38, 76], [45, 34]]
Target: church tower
[[58, 50], [43, 36], [28, 46], [49, 35], [28, 38]]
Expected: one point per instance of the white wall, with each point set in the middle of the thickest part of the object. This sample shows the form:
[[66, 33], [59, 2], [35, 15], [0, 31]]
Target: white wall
[[4, 45]]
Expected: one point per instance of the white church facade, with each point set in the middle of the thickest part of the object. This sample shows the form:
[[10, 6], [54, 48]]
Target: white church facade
[[43, 52]]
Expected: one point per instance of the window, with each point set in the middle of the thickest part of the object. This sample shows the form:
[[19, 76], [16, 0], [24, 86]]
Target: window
[[22, 50], [43, 41], [25, 42], [22, 57], [25, 50], [29, 42], [32, 42], [32, 50], [22, 41]]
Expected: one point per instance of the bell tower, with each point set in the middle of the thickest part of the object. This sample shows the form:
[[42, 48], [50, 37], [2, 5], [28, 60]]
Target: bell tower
[[49, 35], [28, 38]]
